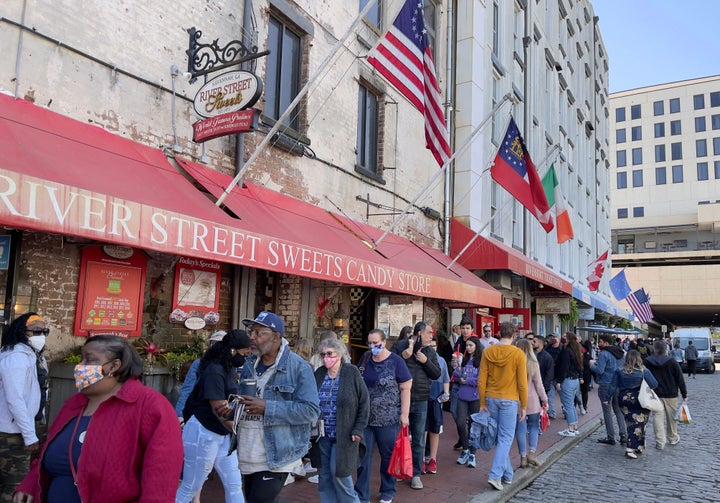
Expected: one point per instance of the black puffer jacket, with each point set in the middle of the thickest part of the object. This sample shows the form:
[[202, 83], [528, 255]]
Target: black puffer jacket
[[422, 373]]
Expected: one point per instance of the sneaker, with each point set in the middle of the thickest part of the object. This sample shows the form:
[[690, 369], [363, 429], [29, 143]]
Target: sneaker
[[457, 446], [385, 501], [471, 461], [309, 468], [290, 479], [463, 457], [314, 479], [583, 411], [506, 482], [432, 466], [608, 441], [423, 467], [568, 433], [416, 483], [496, 484]]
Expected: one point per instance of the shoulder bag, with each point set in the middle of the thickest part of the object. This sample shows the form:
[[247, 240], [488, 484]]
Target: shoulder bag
[[648, 398]]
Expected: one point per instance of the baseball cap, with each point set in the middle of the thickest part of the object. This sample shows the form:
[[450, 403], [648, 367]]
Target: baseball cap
[[267, 319], [217, 336]]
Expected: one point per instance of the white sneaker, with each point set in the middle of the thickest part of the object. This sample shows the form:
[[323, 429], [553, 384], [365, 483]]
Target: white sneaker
[[314, 479], [309, 468], [568, 433], [290, 479]]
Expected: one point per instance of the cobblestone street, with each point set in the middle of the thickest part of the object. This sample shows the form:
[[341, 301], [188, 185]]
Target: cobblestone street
[[689, 471]]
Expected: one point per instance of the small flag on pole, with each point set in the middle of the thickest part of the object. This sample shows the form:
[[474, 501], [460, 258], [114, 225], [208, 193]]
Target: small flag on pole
[[404, 57], [515, 172], [640, 305], [596, 271], [556, 200], [619, 286]]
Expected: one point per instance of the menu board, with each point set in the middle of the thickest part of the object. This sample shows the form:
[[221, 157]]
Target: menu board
[[110, 293], [196, 293]]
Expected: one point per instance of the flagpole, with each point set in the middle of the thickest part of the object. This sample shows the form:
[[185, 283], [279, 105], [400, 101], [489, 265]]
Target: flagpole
[[291, 107], [443, 168], [502, 208]]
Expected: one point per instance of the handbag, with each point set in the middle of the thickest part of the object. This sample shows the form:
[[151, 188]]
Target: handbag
[[544, 420], [648, 398], [401, 466], [683, 414]]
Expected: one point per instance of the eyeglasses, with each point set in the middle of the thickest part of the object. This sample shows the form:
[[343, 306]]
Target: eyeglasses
[[259, 333], [40, 331], [323, 355]]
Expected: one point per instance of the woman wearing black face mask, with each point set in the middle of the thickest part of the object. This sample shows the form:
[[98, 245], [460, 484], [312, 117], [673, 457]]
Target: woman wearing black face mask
[[206, 435]]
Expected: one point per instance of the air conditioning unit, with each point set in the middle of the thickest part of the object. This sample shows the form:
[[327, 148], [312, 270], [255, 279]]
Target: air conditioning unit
[[498, 279]]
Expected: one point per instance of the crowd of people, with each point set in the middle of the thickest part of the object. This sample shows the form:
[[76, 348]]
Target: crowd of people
[[255, 411]]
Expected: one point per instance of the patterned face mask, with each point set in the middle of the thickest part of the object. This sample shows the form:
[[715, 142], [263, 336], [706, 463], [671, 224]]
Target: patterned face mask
[[87, 375]]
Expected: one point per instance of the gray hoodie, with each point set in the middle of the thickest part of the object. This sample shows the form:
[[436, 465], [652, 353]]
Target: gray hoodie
[[19, 392]]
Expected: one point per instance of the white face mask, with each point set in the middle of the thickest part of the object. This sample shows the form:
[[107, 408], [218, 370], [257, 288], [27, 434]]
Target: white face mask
[[37, 342]]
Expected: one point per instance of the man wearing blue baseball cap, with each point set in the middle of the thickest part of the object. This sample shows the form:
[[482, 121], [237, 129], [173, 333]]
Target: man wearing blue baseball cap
[[274, 430]]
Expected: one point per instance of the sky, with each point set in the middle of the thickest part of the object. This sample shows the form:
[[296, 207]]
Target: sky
[[652, 42]]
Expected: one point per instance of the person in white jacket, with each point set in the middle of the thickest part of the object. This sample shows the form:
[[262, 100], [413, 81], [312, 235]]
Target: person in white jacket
[[20, 398]]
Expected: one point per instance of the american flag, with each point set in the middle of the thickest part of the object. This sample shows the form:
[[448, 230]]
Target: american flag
[[404, 57], [640, 305]]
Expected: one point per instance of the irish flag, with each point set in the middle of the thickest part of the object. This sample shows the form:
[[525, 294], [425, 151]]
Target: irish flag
[[557, 201]]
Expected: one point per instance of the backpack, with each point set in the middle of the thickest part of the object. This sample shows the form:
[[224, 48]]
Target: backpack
[[483, 431]]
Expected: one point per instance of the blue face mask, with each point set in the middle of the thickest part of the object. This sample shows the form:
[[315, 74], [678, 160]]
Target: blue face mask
[[376, 349]]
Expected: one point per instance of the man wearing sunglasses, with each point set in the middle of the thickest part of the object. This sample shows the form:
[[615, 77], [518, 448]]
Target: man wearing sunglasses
[[23, 373]]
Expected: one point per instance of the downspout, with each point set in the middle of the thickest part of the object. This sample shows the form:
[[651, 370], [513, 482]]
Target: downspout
[[239, 161], [449, 114]]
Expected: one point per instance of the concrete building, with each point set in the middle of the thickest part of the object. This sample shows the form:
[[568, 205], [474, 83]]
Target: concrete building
[[665, 144]]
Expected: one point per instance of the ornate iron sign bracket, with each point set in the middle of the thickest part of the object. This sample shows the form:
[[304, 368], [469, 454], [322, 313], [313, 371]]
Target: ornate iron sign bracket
[[206, 58]]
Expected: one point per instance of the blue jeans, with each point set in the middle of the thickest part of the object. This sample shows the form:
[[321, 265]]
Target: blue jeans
[[384, 437], [531, 425], [333, 489], [418, 418], [551, 399], [568, 388], [203, 451], [504, 412]]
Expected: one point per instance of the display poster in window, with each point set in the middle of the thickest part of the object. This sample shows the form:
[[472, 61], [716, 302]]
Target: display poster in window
[[5, 241], [111, 289], [520, 316], [196, 293]]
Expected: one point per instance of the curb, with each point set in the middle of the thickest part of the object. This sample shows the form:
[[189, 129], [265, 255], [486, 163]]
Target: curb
[[525, 477]]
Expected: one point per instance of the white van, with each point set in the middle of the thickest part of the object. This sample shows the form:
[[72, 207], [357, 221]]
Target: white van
[[702, 340]]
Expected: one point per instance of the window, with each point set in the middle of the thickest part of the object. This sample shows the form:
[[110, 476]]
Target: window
[[675, 105], [367, 135], [621, 158], [621, 180], [637, 178], [715, 99], [716, 146], [622, 213], [715, 121], [701, 148], [620, 114], [659, 153], [636, 133], [373, 14], [717, 170], [676, 151], [658, 108], [660, 130], [636, 156], [282, 81], [496, 30], [620, 136], [638, 211], [699, 101], [660, 176], [699, 124], [702, 171], [677, 174], [675, 128], [635, 112]]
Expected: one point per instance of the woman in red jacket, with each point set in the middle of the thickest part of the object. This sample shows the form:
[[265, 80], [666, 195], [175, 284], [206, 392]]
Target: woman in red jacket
[[116, 441]]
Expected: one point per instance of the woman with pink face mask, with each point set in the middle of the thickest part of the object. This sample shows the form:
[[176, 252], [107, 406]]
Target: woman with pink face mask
[[344, 411], [115, 441]]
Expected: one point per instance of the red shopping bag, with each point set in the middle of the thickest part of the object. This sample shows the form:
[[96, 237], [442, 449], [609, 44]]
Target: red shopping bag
[[401, 466], [544, 420]]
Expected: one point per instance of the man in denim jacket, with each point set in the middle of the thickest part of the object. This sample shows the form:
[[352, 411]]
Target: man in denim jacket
[[274, 431], [611, 358]]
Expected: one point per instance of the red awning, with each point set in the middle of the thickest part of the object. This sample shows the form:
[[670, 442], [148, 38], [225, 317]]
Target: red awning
[[63, 176], [486, 253], [311, 241]]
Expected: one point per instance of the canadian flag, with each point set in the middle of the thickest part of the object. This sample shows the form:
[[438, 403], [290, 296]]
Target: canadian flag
[[596, 269]]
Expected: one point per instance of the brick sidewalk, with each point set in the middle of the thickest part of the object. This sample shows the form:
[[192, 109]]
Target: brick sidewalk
[[452, 484]]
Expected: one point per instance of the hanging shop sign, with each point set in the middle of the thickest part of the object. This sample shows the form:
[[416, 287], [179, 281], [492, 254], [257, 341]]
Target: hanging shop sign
[[229, 92], [110, 293], [196, 293], [552, 305], [240, 121]]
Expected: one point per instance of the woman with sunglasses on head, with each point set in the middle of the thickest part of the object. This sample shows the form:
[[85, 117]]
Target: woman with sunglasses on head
[[388, 381], [344, 410], [22, 397], [115, 441]]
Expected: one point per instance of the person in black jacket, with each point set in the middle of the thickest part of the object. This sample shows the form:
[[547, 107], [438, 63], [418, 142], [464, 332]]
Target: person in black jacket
[[546, 362], [567, 377], [670, 379], [422, 362]]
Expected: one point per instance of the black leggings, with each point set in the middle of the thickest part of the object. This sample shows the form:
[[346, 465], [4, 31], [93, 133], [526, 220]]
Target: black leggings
[[263, 487]]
